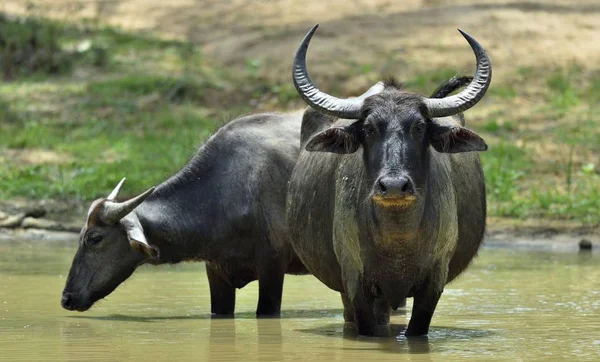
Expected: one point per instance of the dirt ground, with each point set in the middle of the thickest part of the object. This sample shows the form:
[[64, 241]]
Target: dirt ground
[[501, 233], [385, 33]]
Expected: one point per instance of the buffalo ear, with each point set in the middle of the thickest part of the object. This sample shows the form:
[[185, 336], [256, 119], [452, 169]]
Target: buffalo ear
[[341, 140], [136, 237], [454, 139], [144, 248]]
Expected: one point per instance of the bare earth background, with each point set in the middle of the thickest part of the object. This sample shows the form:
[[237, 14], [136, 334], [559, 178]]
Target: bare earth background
[[515, 33], [391, 37]]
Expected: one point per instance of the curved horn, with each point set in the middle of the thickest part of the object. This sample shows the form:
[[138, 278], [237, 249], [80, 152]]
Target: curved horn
[[111, 211], [342, 108], [469, 97], [377, 88], [113, 195]]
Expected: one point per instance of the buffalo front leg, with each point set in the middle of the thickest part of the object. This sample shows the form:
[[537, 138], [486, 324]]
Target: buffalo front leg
[[363, 304], [222, 294], [382, 310], [270, 288], [425, 301], [364, 316]]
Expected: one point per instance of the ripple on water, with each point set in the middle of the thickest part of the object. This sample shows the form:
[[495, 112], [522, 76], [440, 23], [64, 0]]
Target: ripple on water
[[510, 305]]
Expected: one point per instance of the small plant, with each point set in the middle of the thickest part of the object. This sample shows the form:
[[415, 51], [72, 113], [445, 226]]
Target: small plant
[[569, 170], [31, 45], [563, 94], [253, 67], [495, 125]]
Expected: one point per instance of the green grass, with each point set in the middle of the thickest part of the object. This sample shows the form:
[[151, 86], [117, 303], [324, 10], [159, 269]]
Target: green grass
[[138, 115], [563, 181], [139, 107], [103, 151], [498, 125], [425, 83], [504, 91], [563, 93], [141, 113]]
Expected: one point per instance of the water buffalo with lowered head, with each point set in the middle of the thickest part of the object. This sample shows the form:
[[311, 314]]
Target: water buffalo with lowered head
[[225, 207], [387, 199]]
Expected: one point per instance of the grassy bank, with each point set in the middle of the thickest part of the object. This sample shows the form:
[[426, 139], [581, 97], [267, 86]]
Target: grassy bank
[[118, 104]]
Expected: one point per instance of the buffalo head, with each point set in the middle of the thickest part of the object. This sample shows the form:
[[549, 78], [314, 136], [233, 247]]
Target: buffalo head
[[111, 246], [395, 128]]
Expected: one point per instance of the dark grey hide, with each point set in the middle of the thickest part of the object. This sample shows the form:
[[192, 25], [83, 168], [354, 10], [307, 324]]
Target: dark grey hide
[[379, 254], [390, 204], [225, 207]]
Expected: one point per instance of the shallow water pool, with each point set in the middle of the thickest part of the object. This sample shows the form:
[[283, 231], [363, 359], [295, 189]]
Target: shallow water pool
[[510, 305]]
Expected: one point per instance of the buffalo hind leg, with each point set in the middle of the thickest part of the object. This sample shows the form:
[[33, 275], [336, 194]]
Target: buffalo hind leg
[[222, 294], [270, 288], [348, 308]]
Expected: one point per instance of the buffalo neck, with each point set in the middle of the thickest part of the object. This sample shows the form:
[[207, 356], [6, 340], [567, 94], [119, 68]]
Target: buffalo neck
[[179, 217]]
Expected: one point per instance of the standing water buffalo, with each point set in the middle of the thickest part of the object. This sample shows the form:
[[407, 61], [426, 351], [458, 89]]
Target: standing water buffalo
[[226, 207], [392, 204]]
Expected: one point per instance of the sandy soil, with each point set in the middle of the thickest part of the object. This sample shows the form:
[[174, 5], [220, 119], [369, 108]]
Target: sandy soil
[[385, 33], [61, 220], [33, 156], [542, 238]]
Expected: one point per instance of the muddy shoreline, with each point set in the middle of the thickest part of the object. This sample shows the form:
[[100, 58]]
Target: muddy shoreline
[[22, 220], [558, 242]]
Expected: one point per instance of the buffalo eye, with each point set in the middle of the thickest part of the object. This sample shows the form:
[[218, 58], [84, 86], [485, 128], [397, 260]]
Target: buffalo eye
[[93, 239], [369, 129], [418, 128]]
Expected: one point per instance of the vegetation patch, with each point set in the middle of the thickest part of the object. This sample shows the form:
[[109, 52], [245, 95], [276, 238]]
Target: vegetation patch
[[107, 104]]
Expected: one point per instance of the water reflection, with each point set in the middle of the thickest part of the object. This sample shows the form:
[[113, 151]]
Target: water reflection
[[221, 338], [75, 337], [269, 340], [584, 256]]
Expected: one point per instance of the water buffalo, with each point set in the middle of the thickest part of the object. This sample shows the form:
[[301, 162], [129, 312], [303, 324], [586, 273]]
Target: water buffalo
[[387, 201], [225, 207]]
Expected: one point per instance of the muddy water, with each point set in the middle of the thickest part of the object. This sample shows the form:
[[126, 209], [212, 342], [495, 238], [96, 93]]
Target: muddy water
[[511, 305]]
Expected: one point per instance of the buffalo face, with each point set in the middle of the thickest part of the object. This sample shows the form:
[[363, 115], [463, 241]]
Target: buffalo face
[[395, 132], [111, 246], [103, 261]]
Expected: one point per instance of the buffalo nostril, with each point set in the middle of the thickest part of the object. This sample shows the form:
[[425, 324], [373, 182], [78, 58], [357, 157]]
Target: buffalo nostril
[[382, 187], [405, 187]]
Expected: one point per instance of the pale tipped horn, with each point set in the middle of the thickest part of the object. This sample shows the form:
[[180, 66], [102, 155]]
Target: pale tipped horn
[[111, 211], [376, 89], [469, 97], [113, 195], [321, 101]]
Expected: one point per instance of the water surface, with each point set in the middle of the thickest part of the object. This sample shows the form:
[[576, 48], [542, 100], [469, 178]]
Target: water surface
[[510, 305]]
